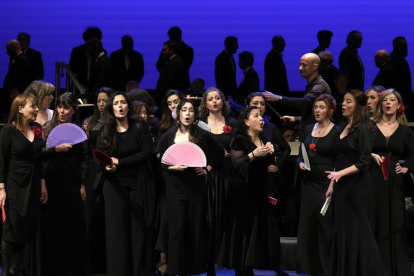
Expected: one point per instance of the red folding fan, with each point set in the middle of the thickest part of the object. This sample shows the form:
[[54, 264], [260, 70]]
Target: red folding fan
[[102, 157], [385, 166]]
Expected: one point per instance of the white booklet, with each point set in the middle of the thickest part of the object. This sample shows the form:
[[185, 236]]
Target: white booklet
[[305, 158], [325, 206]]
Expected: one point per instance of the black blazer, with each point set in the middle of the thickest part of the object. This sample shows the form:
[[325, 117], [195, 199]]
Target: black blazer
[[403, 71], [387, 77], [36, 63], [249, 84], [79, 63], [349, 62], [19, 74], [276, 79], [101, 74], [184, 51], [225, 73], [121, 75]]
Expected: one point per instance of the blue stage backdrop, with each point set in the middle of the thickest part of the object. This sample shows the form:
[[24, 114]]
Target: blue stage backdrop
[[56, 27]]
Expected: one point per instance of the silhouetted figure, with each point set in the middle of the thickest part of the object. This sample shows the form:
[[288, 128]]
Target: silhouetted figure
[[275, 70], [184, 51], [101, 66], [197, 84], [128, 64], [341, 82], [387, 76], [324, 39], [80, 60], [174, 75], [35, 57], [397, 59], [225, 67], [250, 82], [350, 61], [327, 69], [309, 70], [131, 85], [19, 75]]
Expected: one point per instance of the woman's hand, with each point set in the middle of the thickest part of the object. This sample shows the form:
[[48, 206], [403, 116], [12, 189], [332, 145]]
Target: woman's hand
[[400, 169], [289, 119], [260, 151], [178, 167], [43, 191], [110, 168], [329, 192], [378, 159], [201, 171], [334, 175], [2, 194], [63, 147], [83, 192], [302, 166], [226, 154], [272, 169], [86, 129], [115, 161]]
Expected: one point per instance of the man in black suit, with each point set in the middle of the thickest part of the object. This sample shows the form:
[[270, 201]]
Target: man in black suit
[[101, 66], [175, 73], [128, 64], [327, 69], [225, 67], [397, 59], [324, 39], [80, 59], [350, 61], [309, 70], [184, 51], [35, 57], [387, 76], [275, 69], [18, 77], [250, 82]]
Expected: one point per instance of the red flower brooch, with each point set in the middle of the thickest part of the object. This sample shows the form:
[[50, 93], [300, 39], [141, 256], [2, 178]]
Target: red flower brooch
[[38, 132], [227, 129]]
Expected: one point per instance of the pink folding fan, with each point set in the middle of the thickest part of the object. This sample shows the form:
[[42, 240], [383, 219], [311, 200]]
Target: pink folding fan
[[185, 153], [65, 133]]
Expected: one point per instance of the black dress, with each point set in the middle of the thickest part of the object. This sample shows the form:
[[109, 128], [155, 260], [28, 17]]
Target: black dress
[[186, 200], [354, 251], [386, 205], [94, 214], [314, 232], [251, 238], [63, 234], [21, 171]]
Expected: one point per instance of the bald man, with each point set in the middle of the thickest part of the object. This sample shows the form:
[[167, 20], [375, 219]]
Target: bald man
[[309, 70], [387, 76], [19, 75]]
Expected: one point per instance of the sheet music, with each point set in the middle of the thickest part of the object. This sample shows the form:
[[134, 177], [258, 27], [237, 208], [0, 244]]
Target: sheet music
[[305, 158], [325, 206]]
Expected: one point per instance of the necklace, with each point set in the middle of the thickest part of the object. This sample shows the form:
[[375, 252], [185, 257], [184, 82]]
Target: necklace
[[312, 146], [387, 122]]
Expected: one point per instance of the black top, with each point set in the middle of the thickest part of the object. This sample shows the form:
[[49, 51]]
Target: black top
[[275, 73], [100, 73], [387, 77], [225, 73], [249, 84], [403, 69], [19, 74], [274, 136], [122, 75], [36, 63], [350, 62]]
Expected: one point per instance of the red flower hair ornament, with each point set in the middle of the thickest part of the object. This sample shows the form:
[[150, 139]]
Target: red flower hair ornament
[[401, 109]]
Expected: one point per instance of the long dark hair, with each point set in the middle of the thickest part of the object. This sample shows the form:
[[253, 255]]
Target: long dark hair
[[145, 97], [108, 138], [67, 99], [167, 121], [361, 114], [195, 131], [241, 127], [96, 114], [251, 96]]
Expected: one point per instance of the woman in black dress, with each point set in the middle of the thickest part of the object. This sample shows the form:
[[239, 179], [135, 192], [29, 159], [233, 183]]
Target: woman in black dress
[[127, 188], [251, 238], [62, 223], [386, 204], [186, 195], [94, 215], [214, 110], [314, 229], [354, 251], [22, 181]]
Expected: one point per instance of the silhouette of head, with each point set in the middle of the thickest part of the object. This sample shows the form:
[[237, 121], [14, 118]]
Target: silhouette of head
[[354, 39], [94, 47], [175, 34], [170, 48], [341, 81], [231, 44], [127, 43], [326, 59], [324, 38], [309, 65], [92, 32], [24, 39], [381, 57], [400, 45], [13, 48], [246, 60], [278, 43]]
